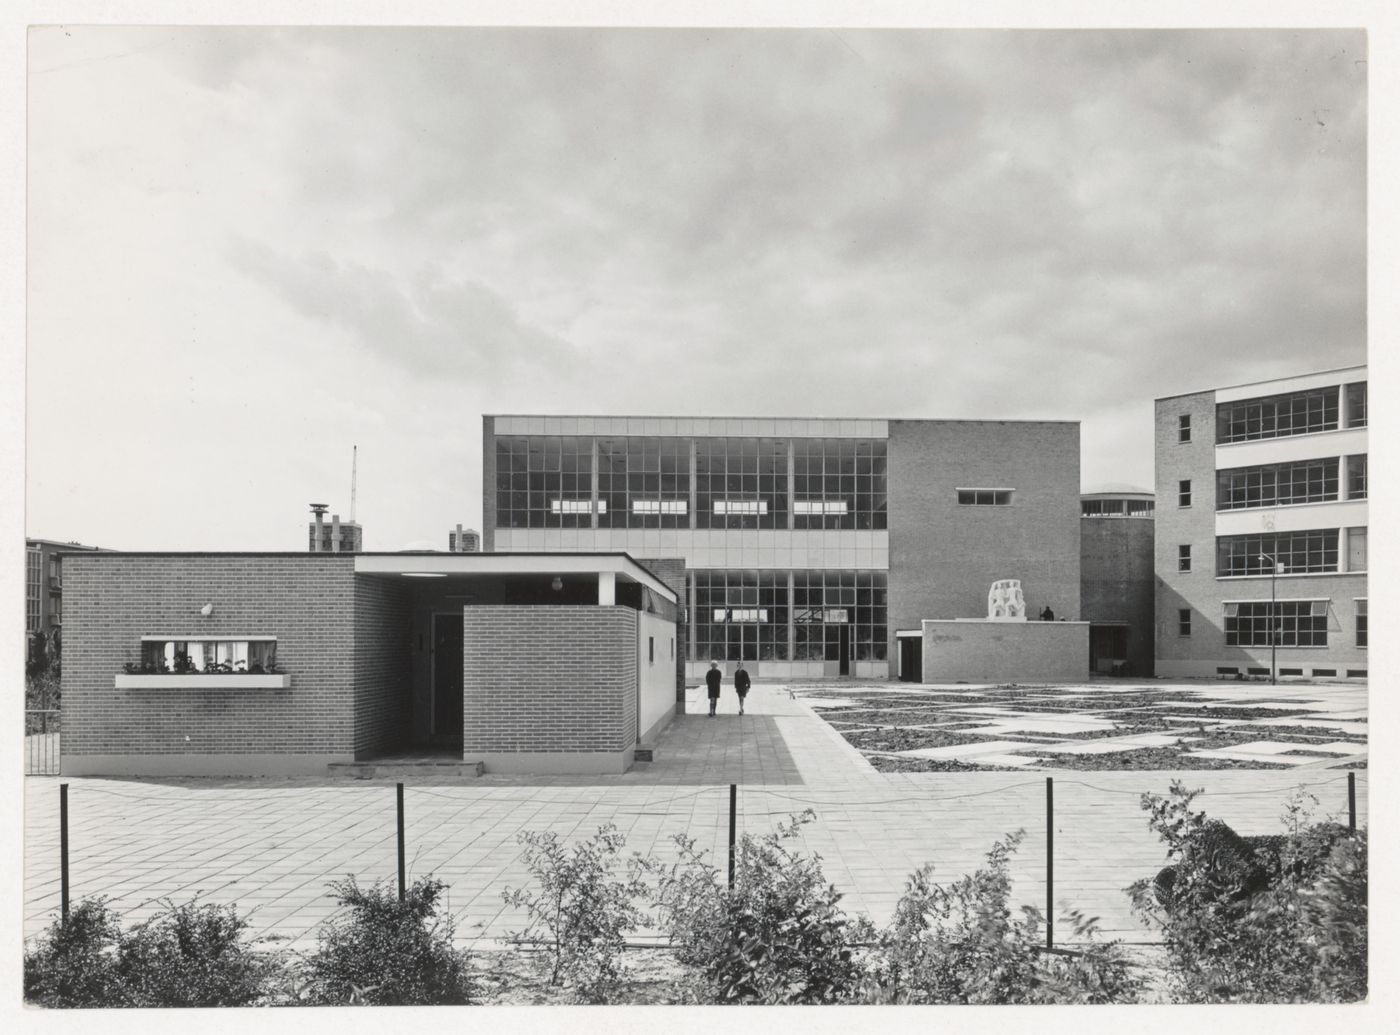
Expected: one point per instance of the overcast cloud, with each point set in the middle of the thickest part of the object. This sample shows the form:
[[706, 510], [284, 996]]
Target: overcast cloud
[[251, 248]]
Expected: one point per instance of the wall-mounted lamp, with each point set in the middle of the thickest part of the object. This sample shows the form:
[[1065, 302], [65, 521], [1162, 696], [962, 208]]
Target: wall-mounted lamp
[[207, 610], [557, 584]]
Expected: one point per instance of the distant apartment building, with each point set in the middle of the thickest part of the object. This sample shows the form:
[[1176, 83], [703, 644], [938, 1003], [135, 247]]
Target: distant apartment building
[[43, 584], [333, 536], [463, 540], [803, 547], [1115, 564], [1261, 529]]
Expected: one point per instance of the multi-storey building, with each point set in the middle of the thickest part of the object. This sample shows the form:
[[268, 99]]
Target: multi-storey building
[[335, 536], [1262, 529], [463, 540], [43, 585], [802, 547]]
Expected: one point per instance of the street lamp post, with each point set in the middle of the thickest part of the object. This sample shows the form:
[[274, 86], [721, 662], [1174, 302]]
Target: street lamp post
[[1273, 617]]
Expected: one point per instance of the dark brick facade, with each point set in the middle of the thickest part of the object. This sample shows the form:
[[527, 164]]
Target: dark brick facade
[[1116, 557], [943, 556]]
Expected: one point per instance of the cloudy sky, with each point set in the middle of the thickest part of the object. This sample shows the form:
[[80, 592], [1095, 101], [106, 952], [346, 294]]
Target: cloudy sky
[[250, 249]]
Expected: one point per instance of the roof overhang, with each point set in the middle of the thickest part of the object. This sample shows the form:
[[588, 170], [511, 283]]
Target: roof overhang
[[511, 564]]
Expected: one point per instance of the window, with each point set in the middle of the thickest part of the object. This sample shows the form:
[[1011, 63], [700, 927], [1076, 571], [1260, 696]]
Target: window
[[1361, 622], [1356, 404], [1183, 428], [545, 481], [1303, 552], [651, 649], [1298, 413], [646, 481], [1296, 623], [673, 648], [1183, 621], [838, 483], [254, 656], [1183, 557], [1183, 493], [741, 483], [1356, 477], [1356, 549], [984, 497], [1274, 485]]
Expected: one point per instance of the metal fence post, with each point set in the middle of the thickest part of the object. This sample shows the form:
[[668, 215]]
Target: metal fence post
[[733, 809], [1351, 802], [63, 847], [402, 875], [1049, 862]]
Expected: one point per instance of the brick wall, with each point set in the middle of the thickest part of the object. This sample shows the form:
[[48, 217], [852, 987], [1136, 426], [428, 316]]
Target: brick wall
[[944, 557], [549, 680], [383, 667], [112, 600], [1116, 558]]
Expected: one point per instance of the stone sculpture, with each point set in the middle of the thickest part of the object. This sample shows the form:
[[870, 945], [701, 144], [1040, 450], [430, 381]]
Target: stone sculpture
[[1005, 602]]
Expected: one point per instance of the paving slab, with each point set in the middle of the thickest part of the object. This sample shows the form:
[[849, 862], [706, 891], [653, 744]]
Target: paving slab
[[276, 843]]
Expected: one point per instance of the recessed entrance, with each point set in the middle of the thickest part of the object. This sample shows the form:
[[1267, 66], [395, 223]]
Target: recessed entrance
[[1108, 649], [447, 678]]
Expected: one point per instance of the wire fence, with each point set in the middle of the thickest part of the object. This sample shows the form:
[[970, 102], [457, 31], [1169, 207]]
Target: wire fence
[[274, 849]]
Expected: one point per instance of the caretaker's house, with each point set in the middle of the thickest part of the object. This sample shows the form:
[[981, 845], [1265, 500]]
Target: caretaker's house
[[287, 663]]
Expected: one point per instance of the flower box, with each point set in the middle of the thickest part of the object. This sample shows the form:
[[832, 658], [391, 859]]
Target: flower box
[[203, 681]]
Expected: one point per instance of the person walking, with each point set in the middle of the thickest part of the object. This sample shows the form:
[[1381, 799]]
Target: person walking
[[741, 685], [713, 679], [1047, 615]]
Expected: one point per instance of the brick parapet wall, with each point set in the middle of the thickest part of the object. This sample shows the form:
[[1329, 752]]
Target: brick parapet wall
[[560, 679], [112, 600]]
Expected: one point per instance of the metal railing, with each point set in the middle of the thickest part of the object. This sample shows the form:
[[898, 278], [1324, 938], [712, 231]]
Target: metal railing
[[41, 735]]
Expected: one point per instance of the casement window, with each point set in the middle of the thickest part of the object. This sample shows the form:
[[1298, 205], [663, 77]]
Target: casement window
[[1276, 485], [1361, 622], [1356, 404], [1297, 413], [1183, 428], [1183, 621], [1356, 477], [1183, 557], [1282, 623], [1183, 493], [984, 497], [1305, 552]]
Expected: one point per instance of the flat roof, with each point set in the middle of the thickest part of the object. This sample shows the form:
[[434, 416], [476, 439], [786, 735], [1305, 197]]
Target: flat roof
[[774, 416], [398, 562], [1273, 380]]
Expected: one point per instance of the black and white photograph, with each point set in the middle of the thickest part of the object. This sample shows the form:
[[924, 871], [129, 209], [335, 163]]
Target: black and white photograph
[[606, 506]]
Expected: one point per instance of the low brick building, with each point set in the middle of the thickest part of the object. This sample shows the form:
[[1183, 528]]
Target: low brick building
[[270, 663]]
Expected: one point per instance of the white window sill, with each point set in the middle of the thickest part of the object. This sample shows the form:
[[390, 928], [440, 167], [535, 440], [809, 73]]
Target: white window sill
[[198, 681]]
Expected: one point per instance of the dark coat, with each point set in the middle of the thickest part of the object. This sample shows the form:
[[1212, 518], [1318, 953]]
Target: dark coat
[[713, 679], [741, 682]]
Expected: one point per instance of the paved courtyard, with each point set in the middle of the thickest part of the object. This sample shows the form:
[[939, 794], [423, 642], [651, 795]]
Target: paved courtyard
[[271, 845]]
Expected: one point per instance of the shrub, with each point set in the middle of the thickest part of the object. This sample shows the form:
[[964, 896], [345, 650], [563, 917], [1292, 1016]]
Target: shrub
[[961, 944], [384, 952], [192, 955], [777, 937], [1262, 920], [579, 909], [73, 963]]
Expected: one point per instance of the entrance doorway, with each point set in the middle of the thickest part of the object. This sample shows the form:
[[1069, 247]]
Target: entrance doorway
[[911, 659], [838, 650], [447, 678], [1108, 649]]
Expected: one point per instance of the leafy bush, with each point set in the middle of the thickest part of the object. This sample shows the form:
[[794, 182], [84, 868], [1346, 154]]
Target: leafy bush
[[579, 909], [1278, 919], [192, 955], [74, 962], [383, 952], [960, 944], [777, 937]]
